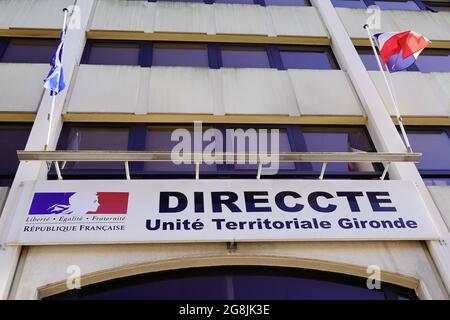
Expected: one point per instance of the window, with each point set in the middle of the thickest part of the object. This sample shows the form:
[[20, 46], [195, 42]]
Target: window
[[430, 60], [245, 57], [319, 139], [434, 143], [307, 58], [397, 5], [434, 60], [349, 3], [95, 138], [234, 138], [257, 2], [438, 5], [170, 54], [235, 1], [384, 5], [13, 137], [27, 50], [212, 55], [112, 53], [238, 283], [302, 3]]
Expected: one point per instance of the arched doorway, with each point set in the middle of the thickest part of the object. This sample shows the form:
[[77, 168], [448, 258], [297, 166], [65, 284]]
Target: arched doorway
[[237, 283]]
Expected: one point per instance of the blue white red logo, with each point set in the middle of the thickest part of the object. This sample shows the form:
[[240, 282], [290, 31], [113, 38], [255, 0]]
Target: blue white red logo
[[79, 203]]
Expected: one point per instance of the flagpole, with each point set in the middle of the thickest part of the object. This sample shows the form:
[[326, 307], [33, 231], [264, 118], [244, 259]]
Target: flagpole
[[390, 90], [50, 115]]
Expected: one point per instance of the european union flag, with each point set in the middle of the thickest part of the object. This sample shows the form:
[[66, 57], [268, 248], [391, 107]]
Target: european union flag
[[55, 79]]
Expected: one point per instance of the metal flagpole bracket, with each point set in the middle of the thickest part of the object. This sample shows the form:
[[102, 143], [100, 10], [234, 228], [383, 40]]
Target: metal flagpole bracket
[[258, 176], [58, 170], [197, 170], [232, 246], [386, 168], [127, 170], [322, 172]]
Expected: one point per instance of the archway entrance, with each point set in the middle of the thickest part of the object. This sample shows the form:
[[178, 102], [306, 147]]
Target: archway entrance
[[237, 283]]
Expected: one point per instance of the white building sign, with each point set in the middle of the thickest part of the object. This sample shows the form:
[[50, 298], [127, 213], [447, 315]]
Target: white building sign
[[76, 212]]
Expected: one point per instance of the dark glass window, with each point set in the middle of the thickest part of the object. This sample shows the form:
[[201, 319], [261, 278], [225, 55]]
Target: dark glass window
[[302, 3], [313, 58], [318, 139], [28, 50], [438, 5], [238, 283], [245, 57], [349, 3], [235, 1], [90, 138], [368, 58], [291, 138], [434, 144], [159, 138], [115, 53], [170, 54], [212, 55], [397, 5], [13, 137], [430, 60], [434, 60], [181, 1]]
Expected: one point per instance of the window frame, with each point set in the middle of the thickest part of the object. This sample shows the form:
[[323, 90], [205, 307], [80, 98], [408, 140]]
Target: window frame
[[136, 142], [431, 173], [233, 273], [419, 4], [6, 178], [214, 52]]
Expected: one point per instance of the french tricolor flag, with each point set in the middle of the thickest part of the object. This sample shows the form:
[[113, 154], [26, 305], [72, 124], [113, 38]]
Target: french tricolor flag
[[399, 50]]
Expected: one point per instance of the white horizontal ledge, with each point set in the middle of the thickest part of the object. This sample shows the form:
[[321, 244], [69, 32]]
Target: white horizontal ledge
[[145, 156]]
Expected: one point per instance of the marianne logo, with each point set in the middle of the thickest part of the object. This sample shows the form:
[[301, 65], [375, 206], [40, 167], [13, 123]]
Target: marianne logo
[[79, 203]]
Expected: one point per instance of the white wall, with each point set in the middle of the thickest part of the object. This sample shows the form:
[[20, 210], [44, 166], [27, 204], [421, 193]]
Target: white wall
[[417, 94], [208, 91], [434, 25], [401, 258], [3, 194], [202, 18], [21, 86], [441, 196], [44, 14]]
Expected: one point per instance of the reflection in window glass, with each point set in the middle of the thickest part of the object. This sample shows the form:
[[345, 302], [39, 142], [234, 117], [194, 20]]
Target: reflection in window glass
[[430, 60], [193, 55], [251, 143], [435, 147], [13, 137], [29, 51], [306, 59], [338, 140], [349, 3], [438, 6], [235, 1], [114, 54], [286, 2], [96, 139], [244, 57], [397, 5], [434, 61], [159, 138], [369, 60]]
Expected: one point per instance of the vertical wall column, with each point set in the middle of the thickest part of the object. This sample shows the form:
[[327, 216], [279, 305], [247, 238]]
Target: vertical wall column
[[73, 49], [382, 129]]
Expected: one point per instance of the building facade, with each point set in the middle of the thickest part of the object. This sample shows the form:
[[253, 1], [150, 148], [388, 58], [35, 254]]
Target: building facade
[[135, 71]]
